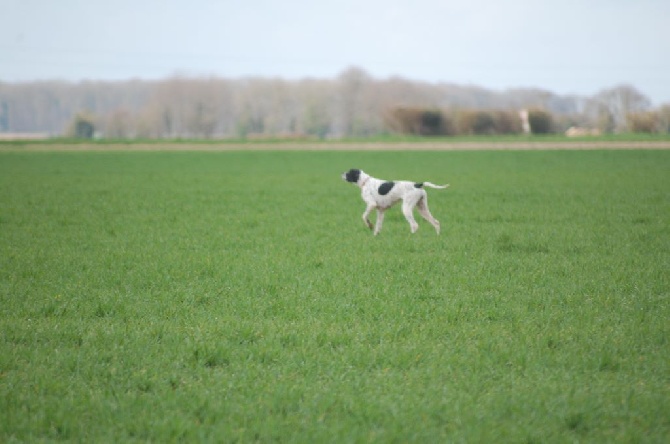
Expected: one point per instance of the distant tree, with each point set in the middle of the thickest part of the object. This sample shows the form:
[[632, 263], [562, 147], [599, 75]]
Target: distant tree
[[478, 122], [619, 102], [644, 122], [507, 122], [351, 104], [432, 123], [605, 121], [540, 121], [483, 123], [419, 121], [118, 125], [403, 120], [4, 116], [664, 119], [201, 120], [316, 121], [353, 84], [82, 127]]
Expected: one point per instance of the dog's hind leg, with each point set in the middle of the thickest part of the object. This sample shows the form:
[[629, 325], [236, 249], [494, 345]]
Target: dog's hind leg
[[407, 210], [422, 207]]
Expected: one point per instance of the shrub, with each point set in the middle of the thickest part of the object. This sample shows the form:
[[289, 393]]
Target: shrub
[[507, 122], [419, 121], [82, 127], [476, 122], [664, 119], [644, 122], [541, 122]]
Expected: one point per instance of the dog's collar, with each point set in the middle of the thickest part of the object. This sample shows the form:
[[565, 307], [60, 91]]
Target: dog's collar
[[365, 181]]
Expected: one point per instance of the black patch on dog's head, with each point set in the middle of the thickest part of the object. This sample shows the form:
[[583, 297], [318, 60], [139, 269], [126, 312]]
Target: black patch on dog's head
[[418, 185], [385, 188], [352, 175]]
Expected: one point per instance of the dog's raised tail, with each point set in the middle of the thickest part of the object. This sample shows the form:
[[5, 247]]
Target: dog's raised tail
[[432, 185]]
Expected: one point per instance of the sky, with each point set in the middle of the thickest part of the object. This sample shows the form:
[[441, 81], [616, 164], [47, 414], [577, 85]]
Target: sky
[[564, 46]]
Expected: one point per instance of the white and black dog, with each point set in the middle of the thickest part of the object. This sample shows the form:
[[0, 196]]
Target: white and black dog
[[382, 194]]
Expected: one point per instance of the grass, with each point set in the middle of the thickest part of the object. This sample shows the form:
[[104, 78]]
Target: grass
[[237, 296], [390, 139]]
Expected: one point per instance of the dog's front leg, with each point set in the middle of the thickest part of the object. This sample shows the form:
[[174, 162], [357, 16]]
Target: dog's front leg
[[380, 221], [366, 216]]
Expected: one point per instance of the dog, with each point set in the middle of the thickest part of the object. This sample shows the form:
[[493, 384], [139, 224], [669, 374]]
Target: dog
[[382, 194]]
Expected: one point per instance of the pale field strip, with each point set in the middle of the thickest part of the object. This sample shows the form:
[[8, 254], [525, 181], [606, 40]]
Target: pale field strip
[[345, 146]]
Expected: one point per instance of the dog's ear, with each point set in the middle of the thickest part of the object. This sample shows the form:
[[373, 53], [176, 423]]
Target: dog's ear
[[353, 175]]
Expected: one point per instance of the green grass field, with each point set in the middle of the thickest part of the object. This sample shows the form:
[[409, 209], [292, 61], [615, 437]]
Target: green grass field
[[238, 297]]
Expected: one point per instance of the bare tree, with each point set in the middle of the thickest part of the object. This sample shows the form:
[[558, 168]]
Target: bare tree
[[315, 107], [612, 106], [352, 104], [352, 85], [119, 125]]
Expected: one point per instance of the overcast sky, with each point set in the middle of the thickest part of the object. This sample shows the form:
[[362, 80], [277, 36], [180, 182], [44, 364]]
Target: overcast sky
[[565, 46]]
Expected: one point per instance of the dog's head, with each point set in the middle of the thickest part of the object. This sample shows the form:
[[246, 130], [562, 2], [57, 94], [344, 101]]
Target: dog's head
[[353, 175]]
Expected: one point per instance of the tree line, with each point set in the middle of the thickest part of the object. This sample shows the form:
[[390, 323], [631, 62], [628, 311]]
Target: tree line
[[353, 104]]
